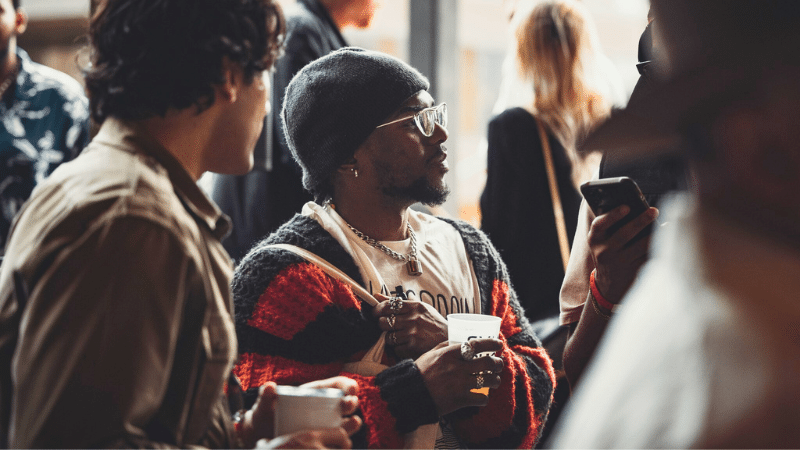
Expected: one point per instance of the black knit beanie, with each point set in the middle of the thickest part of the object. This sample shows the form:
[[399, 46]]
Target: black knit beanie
[[334, 103]]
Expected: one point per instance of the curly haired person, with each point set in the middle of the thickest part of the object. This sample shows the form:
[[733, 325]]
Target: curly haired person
[[115, 301]]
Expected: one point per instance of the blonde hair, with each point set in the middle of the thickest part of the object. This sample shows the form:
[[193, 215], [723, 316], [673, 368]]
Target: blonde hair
[[558, 52]]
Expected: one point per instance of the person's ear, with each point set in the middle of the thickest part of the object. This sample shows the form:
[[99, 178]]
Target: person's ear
[[232, 78], [20, 21]]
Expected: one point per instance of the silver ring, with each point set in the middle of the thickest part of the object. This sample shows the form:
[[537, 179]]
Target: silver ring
[[479, 381], [395, 304], [391, 320], [467, 351]]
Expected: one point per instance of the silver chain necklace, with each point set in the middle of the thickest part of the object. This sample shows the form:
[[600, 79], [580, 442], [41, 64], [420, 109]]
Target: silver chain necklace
[[412, 262]]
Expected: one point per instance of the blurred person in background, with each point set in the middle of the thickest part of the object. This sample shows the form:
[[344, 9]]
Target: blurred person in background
[[610, 260], [558, 54], [262, 200], [529, 207], [704, 350], [116, 325], [514, 90], [44, 118]]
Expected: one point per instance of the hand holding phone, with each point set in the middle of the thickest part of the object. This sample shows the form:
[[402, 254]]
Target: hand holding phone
[[616, 241], [606, 194]]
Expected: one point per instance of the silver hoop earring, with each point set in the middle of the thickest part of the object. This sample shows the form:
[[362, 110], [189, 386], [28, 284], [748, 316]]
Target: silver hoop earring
[[355, 172]]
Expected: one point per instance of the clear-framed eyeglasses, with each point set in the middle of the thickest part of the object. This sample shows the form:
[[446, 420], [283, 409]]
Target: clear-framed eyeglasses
[[426, 119]]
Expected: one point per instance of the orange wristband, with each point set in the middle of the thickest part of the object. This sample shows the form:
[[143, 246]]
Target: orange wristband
[[605, 304]]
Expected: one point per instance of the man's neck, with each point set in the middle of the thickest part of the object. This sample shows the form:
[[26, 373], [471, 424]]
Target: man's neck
[[764, 277], [184, 134], [380, 220], [8, 65]]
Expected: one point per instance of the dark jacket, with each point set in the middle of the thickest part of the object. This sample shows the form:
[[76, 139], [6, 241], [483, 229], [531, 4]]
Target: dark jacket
[[517, 209], [260, 201]]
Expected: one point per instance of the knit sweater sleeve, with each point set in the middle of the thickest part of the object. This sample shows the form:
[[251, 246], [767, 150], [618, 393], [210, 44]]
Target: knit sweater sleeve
[[517, 410], [296, 324]]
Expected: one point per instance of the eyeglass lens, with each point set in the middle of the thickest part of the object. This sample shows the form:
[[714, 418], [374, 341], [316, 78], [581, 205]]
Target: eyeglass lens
[[428, 118]]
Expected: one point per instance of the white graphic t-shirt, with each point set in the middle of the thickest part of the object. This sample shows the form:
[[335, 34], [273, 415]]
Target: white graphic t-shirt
[[448, 282]]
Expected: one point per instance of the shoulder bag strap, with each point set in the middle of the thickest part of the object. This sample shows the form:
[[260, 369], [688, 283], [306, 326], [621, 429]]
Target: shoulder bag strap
[[329, 269], [369, 365], [558, 210]]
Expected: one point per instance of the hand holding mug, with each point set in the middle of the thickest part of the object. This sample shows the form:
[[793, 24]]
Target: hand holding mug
[[450, 378], [260, 421]]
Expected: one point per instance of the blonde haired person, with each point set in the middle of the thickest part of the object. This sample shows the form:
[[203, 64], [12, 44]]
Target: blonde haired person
[[558, 52], [558, 55], [570, 89]]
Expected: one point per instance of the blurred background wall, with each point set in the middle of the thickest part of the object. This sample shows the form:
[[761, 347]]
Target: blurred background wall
[[56, 30], [459, 44]]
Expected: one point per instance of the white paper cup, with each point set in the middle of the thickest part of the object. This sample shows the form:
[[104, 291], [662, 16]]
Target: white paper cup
[[463, 327], [300, 408]]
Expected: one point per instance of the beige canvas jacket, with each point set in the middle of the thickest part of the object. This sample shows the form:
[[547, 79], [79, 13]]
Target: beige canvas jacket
[[115, 305]]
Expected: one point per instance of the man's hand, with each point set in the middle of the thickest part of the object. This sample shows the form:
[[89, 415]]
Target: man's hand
[[413, 328], [618, 256], [449, 378], [259, 421]]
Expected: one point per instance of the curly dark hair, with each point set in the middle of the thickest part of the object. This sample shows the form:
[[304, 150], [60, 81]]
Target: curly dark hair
[[151, 56]]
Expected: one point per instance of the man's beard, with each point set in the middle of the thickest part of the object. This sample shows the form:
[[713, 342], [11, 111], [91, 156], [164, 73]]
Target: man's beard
[[420, 191]]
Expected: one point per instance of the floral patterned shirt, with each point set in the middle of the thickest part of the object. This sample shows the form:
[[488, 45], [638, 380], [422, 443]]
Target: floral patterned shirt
[[44, 121]]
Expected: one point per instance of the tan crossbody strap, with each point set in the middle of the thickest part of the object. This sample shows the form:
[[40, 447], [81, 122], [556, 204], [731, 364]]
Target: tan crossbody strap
[[558, 210], [330, 269]]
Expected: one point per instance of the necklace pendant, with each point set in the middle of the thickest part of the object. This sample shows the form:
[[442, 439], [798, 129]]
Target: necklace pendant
[[414, 267]]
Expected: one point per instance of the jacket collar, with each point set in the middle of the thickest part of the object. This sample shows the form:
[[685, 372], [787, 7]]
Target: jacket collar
[[130, 137], [24, 89], [319, 10]]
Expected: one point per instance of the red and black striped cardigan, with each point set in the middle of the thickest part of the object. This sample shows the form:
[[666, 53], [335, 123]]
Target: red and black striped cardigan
[[296, 324]]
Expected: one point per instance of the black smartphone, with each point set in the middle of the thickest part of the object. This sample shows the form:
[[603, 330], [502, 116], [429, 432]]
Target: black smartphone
[[608, 193]]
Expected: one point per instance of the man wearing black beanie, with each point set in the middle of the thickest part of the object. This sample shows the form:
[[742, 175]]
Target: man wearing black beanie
[[365, 286]]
